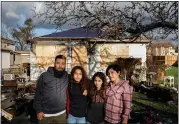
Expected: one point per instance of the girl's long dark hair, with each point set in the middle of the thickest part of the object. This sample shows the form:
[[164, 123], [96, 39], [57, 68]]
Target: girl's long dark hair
[[93, 88], [84, 83]]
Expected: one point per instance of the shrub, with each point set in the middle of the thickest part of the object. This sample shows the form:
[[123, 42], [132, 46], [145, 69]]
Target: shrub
[[163, 94]]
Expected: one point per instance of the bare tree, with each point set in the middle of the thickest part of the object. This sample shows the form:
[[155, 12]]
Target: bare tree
[[115, 20], [5, 31], [22, 34]]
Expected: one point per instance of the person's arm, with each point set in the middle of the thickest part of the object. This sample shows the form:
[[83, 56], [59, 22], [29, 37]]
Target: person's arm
[[127, 103], [85, 87], [85, 92], [38, 94], [67, 103]]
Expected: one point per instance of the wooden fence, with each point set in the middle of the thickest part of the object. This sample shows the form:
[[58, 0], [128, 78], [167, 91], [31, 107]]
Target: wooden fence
[[159, 60]]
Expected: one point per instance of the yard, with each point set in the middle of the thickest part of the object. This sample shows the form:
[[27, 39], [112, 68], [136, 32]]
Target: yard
[[143, 110], [173, 71], [147, 111]]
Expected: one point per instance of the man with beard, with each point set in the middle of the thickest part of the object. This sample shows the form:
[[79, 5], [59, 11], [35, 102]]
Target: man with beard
[[50, 96]]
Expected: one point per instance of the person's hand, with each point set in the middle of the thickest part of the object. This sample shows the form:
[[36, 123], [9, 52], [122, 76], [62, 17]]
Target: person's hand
[[40, 116], [85, 93], [124, 121]]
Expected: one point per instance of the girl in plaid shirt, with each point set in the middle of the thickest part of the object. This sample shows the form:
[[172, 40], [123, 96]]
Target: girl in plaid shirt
[[119, 97]]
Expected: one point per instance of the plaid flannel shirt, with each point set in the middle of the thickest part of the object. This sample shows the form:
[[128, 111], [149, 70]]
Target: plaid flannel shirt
[[118, 105]]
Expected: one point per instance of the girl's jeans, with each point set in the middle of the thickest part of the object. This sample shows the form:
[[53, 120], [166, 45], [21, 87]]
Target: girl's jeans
[[75, 120]]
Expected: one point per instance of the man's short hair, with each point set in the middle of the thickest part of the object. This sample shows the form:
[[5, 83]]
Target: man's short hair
[[60, 57]]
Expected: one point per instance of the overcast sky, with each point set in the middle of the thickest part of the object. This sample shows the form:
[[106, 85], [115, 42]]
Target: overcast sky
[[15, 13]]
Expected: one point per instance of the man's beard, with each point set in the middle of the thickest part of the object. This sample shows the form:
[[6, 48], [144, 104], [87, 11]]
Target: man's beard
[[58, 73]]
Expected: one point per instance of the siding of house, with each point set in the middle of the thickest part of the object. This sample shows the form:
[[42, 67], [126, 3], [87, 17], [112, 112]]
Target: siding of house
[[12, 47], [46, 53], [161, 51], [25, 59], [7, 57], [138, 51], [110, 52], [17, 59], [159, 60], [79, 56], [45, 57], [105, 54], [12, 59], [160, 54], [8, 46], [94, 62], [5, 60], [170, 60]]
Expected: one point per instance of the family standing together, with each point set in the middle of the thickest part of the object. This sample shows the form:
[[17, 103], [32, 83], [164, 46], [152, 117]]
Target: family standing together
[[63, 98]]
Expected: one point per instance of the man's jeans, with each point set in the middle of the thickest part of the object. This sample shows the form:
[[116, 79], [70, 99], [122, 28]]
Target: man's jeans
[[75, 120]]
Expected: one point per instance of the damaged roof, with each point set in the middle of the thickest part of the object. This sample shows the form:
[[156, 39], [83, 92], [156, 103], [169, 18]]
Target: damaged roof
[[75, 33]]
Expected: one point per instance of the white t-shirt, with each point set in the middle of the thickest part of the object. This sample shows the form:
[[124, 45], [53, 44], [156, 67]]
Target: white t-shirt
[[57, 114]]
